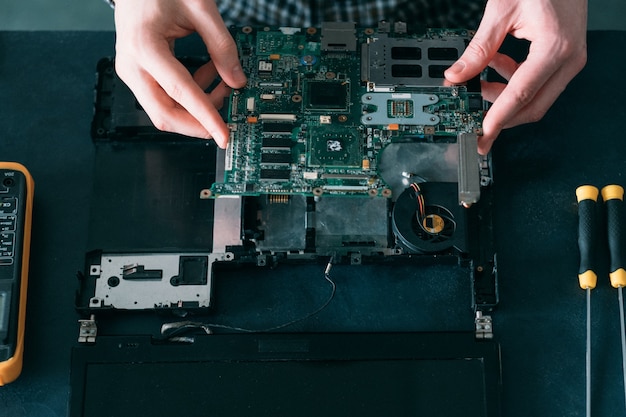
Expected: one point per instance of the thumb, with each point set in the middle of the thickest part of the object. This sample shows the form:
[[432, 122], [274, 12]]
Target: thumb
[[224, 54], [480, 51], [221, 45]]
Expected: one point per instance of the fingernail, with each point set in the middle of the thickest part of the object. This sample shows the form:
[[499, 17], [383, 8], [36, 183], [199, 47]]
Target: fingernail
[[238, 75], [456, 68], [220, 141], [484, 146]]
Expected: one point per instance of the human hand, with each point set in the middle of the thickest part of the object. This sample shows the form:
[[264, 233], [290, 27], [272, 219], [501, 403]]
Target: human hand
[[173, 98], [556, 30]]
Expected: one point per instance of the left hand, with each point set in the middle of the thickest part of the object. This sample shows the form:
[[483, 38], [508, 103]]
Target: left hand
[[174, 99]]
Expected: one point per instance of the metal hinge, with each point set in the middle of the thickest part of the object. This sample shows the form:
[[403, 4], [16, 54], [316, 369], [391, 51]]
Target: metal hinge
[[88, 330], [484, 326]]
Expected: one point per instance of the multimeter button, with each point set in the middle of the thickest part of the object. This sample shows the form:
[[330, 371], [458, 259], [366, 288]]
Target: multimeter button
[[7, 241], [8, 205], [7, 224]]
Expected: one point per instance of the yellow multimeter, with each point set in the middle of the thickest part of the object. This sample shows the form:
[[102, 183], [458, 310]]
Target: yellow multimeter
[[16, 207]]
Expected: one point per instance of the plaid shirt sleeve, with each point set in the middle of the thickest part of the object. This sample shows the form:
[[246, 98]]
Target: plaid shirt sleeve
[[305, 13]]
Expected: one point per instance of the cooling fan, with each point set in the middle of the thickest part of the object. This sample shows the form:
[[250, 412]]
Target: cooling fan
[[427, 219]]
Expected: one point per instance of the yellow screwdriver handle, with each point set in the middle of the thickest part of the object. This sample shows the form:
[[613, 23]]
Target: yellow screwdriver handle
[[613, 196]]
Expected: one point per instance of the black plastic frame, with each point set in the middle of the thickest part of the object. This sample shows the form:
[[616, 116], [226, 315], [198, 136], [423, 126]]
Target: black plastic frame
[[258, 361]]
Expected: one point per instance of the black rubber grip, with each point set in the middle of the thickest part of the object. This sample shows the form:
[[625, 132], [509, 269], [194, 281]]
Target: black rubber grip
[[615, 231], [587, 235]]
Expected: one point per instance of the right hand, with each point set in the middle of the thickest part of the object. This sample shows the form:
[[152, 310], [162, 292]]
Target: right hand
[[557, 30], [174, 99]]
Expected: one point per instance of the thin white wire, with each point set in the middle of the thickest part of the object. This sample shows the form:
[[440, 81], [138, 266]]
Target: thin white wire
[[206, 326]]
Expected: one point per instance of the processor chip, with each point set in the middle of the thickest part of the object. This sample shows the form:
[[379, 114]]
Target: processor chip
[[335, 149], [324, 95]]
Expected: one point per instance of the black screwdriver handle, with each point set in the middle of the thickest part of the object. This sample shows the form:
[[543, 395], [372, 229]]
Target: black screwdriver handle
[[587, 196], [613, 196]]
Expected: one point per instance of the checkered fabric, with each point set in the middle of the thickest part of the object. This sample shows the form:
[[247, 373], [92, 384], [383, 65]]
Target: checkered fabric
[[305, 13]]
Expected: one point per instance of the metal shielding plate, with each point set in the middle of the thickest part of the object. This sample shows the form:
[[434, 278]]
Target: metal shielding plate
[[469, 173], [343, 223], [403, 163], [284, 224], [381, 116], [421, 68], [116, 289]]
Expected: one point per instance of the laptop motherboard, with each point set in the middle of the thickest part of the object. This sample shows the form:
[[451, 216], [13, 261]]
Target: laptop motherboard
[[327, 110]]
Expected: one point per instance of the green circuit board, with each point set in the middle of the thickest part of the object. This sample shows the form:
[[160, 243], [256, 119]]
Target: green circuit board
[[322, 103]]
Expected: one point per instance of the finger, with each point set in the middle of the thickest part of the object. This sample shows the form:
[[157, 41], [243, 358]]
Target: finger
[[164, 112], [514, 105], [484, 144], [481, 49], [491, 90], [504, 65], [220, 44], [172, 76], [205, 75], [525, 83], [219, 93], [553, 87], [532, 112], [544, 98]]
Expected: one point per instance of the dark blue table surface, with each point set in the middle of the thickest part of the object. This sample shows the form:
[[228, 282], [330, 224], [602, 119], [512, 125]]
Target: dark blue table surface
[[46, 96]]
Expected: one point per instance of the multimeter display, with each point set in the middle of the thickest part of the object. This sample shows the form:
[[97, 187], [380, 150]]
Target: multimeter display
[[16, 196], [4, 316]]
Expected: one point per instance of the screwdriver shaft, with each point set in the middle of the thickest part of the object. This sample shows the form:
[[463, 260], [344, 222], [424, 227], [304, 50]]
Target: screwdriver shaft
[[613, 196], [623, 332], [588, 356]]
